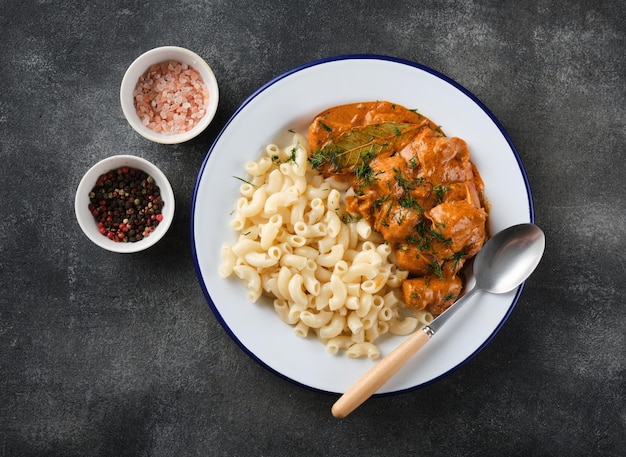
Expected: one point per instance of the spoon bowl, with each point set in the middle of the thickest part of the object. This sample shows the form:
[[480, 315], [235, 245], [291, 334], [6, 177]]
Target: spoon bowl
[[503, 264], [508, 258]]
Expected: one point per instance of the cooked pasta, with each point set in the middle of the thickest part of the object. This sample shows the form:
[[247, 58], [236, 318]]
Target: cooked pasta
[[328, 274]]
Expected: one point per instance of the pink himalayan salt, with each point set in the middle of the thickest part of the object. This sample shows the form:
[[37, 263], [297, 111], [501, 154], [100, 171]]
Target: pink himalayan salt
[[170, 98]]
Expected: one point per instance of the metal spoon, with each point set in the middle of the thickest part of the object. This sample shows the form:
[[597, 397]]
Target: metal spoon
[[504, 262]]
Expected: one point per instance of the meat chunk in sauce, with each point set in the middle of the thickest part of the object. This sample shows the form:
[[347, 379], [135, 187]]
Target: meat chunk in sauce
[[415, 186], [434, 294], [462, 227]]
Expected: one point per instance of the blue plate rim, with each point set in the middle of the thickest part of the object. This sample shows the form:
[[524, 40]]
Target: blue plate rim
[[305, 66]]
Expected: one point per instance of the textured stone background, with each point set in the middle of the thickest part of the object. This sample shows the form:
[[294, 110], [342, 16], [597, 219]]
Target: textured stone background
[[103, 354]]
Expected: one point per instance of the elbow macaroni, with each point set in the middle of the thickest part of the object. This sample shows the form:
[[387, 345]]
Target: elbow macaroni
[[325, 275]]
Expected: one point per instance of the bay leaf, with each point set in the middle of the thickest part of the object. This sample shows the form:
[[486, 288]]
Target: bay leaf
[[361, 144]]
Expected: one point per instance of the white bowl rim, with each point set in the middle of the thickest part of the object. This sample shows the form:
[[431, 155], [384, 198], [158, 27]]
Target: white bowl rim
[[141, 64], [87, 222]]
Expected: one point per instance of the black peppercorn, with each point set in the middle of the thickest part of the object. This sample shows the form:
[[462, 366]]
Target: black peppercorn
[[126, 204]]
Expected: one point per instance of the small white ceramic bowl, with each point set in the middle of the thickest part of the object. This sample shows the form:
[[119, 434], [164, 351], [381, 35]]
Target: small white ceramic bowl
[[88, 222], [141, 66]]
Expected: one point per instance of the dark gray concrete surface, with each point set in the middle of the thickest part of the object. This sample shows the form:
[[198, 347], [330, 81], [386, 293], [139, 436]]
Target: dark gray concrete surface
[[109, 355]]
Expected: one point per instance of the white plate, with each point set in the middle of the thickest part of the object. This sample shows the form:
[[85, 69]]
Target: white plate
[[290, 101]]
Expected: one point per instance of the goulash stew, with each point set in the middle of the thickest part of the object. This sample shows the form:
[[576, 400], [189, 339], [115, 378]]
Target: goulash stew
[[413, 184]]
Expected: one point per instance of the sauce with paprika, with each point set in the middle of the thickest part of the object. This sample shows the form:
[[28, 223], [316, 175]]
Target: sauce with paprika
[[414, 185]]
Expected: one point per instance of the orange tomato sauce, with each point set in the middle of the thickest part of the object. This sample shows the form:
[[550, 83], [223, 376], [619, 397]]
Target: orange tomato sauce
[[414, 185]]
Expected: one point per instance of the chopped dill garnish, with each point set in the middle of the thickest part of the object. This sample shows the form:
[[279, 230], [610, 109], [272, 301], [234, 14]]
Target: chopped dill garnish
[[438, 131], [458, 256], [383, 205], [421, 228], [436, 268], [318, 159], [365, 176], [400, 216], [348, 218], [244, 181], [325, 127], [407, 201], [440, 190], [420, 243], [292, 157], [402, 248], [402, 180], [439, 237], [378, 203]]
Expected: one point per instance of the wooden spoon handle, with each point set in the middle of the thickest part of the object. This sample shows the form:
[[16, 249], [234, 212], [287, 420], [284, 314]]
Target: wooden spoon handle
[[378, 375]]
